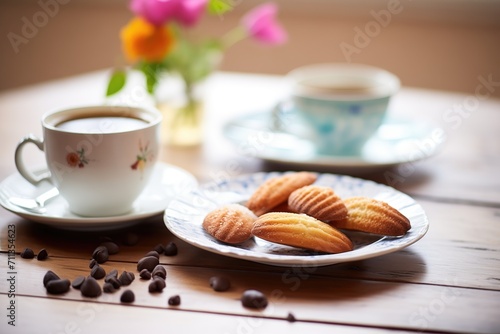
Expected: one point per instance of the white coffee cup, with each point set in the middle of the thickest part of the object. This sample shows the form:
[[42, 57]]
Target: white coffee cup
[[337, 107], [100, 158]]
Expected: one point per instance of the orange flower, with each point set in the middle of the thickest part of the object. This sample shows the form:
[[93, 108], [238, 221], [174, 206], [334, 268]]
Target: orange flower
[[142, 40]]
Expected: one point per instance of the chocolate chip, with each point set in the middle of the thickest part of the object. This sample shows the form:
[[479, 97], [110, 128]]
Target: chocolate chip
[[157, 285], [100, 254], [152, 287], [127, 296], [160, 271], [111, 246], [254, 299], [290, 317], [148, 262], [112, 273], [131, 239], [220, 283], [92, 263], [126, 278], [108, 287], [145, 274], [159, 248], [153, 253], [114, 282], [49, 276], [42, 255], [170, 249], [77, 282], [27, 253], [90, 287], [98, 272], [58, 286], [174, 300]]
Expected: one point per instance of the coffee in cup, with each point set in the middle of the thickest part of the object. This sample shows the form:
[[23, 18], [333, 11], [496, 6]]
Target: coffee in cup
[[100, 158], [337, 107]]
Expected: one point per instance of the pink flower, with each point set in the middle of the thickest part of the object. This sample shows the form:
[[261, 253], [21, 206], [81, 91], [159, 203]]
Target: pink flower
[[158, 12], [190, 11], [261, 24]]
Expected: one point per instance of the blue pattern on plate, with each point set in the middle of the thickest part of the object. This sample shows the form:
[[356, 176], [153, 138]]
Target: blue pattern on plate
[[184, 218]]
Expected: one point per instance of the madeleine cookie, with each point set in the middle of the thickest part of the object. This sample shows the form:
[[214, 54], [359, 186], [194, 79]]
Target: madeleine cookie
[[299, 230], [319, 202], [373, 216], [275, 191], [231, 223], [283, 207]]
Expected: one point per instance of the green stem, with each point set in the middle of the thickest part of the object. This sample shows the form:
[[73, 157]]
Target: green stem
[[187, 114], [233, 36], [191, 102]]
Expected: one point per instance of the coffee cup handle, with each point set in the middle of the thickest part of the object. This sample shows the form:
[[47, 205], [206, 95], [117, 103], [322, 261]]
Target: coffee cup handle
[[28, 175]]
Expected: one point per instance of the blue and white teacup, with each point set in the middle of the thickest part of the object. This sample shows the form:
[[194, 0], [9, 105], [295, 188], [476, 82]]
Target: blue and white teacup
[[337, 107]]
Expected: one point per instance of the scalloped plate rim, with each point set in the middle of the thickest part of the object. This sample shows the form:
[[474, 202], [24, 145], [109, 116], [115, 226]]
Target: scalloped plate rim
[[382, 246]]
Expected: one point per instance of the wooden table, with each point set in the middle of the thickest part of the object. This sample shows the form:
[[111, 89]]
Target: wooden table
[[448, 282]]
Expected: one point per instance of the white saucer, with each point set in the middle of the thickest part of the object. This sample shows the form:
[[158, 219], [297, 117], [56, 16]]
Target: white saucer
[[396, 142], [167, 182], [184, 217]]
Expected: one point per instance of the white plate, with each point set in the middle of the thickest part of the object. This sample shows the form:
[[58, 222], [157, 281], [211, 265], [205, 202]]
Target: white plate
[[396, 142], [184, 218], [166, 183]]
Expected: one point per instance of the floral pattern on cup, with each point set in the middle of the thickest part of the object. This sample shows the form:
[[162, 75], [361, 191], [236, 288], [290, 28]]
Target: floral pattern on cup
[[142, 158], [77, 159]]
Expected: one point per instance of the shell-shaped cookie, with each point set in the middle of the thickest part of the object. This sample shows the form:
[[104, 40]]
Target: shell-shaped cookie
[[231, 223], [299, 230], [275, 191], [373, 216], [319, 202]]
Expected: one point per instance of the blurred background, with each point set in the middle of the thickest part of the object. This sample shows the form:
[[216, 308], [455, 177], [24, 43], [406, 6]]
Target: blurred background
[[437, 44]]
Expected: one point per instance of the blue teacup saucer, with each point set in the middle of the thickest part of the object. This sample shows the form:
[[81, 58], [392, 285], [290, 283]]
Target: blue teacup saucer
[[396, 142]]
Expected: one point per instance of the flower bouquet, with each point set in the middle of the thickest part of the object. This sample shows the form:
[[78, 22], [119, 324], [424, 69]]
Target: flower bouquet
[[156, 42]]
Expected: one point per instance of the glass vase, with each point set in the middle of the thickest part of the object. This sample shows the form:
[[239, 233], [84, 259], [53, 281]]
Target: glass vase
[[183, 113]]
